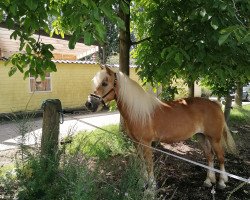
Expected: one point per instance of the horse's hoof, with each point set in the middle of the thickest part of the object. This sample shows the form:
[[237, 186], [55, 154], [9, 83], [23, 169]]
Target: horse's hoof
[[207, 183], [226, 179], [221, 185], [212, 179]]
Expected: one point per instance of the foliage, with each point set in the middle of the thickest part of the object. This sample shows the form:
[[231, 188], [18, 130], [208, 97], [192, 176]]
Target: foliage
[[199, 40], [111, 45], [8, 184], [77, 18]]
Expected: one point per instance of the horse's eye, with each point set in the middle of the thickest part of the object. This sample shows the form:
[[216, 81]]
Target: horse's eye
[[104, 84]]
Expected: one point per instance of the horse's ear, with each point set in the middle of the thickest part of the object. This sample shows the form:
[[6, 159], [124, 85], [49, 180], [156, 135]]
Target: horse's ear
[[108, 70]]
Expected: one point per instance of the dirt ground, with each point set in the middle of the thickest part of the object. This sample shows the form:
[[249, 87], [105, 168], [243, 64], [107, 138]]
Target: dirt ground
[[184, 181], [179, 180]]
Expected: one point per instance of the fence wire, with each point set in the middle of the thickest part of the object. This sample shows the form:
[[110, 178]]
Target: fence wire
[[245, 180]]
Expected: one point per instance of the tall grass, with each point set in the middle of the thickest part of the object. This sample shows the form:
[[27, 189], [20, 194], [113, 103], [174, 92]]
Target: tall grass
[[100, 143], [95, 165]]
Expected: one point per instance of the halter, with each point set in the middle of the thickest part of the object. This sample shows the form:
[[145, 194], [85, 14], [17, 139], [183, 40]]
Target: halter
[[101, 98]]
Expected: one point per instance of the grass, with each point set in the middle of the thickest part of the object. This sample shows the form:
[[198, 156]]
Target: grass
[[100, 143], [95, 165], [240, 116]]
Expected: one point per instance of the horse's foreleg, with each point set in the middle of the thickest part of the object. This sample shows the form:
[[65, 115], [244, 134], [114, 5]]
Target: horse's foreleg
[[205, 144], [146, 154]]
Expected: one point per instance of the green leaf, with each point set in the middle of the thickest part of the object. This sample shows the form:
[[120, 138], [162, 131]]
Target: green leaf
[[246, 38], [85, 2], [13, 9], [125, 7], [100, 28], [32, 4], [163, 53], [88, 39], [170, 54], [14, 35], [223, 38], [12, 71], [214, 23], [52, 66], [26, 74], [28, 49], [22, 44], [10, 22], [1, 15], [178, 58], [19, 68]]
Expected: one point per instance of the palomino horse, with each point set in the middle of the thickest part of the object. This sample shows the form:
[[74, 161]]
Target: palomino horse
[[147, 119]]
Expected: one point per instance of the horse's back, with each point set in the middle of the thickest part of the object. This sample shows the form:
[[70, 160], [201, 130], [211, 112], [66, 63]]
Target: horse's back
[[180, 119]]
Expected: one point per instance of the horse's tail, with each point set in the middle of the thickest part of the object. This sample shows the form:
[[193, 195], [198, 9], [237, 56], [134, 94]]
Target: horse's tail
[[228, 141]]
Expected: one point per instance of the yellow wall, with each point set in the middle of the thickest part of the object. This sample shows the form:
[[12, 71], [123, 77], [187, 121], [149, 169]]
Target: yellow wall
[[71, 84]]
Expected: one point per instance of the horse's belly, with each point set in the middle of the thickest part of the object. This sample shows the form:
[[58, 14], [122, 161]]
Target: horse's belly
[[176, 135]]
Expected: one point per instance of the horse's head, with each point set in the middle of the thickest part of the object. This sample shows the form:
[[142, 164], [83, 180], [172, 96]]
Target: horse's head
[[104, 89]]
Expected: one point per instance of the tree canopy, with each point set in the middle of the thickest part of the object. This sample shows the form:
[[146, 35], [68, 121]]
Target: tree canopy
[[193, 40], [81, 19]]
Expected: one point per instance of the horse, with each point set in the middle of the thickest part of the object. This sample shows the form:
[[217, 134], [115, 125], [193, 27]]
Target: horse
[[147, 119]]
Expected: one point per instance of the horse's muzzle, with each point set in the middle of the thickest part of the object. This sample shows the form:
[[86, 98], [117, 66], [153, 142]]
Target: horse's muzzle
[[93, 103]]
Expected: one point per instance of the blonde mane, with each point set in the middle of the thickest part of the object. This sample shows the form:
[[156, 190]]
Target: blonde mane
[[140, 104]]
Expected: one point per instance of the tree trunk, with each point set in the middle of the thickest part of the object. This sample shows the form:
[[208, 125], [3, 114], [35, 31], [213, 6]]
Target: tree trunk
[[125, 43], [124, 49], [191, 89], [228, 107], [239, 94]]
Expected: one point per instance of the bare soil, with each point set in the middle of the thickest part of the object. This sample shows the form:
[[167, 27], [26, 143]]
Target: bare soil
[[184, 181]]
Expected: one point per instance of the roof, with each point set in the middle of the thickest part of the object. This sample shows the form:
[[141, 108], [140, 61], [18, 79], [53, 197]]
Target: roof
[[75, 62], [9, 46], [78, 62], [87, 62]]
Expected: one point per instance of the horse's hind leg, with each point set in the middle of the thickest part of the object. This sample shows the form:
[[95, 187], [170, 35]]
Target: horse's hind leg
[[218, 149], [205, 144]]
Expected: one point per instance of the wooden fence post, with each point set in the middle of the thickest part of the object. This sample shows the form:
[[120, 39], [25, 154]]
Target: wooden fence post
[[50, 128]]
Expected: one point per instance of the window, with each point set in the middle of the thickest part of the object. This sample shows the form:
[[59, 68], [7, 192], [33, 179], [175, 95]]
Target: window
[[39, 85]]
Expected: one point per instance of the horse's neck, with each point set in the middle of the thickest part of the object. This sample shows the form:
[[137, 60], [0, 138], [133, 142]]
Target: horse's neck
[[120, 105], [136, 110]]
